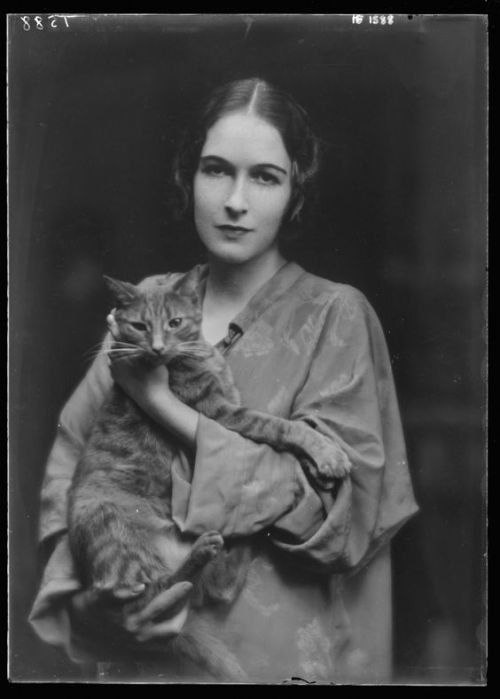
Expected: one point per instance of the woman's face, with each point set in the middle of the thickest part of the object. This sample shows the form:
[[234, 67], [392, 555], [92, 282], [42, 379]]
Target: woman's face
[[242, 188]]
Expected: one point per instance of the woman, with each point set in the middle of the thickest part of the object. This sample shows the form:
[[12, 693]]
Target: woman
[[317, 598]]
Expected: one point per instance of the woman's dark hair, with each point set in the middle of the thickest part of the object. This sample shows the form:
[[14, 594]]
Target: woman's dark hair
[[270, 104]]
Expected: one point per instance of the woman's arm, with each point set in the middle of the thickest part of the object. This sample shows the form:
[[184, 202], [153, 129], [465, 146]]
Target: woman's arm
[[149, 388], [228, 466], [241, 488]]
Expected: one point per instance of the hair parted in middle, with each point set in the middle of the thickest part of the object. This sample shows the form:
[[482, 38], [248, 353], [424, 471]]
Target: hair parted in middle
[[258, 97]]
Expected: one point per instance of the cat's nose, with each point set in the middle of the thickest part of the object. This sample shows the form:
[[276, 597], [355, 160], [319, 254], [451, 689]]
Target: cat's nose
[[158, 348]]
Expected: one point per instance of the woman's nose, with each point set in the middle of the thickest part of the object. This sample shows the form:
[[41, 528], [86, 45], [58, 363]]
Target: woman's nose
[[236, 203]]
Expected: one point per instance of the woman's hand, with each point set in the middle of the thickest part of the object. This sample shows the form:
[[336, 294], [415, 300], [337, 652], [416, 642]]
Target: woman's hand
[[149, 388], [146, 385], [111, 633]]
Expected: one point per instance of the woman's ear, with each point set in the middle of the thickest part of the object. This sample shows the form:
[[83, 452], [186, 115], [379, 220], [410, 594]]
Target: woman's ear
[[124, 293]]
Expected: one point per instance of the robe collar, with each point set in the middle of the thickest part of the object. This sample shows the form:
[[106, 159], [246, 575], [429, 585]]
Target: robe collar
[[278, 285]]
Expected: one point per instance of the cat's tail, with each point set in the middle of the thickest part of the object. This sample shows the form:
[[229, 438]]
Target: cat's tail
[[202, 648], [197, 649]]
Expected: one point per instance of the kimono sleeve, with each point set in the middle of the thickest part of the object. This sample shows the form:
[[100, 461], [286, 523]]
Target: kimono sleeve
[[350, 397], [242, 488], [238, 487], [73, 428], [49, 616]]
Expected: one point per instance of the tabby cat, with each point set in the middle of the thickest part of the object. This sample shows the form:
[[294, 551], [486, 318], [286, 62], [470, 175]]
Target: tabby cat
[[121, 531]]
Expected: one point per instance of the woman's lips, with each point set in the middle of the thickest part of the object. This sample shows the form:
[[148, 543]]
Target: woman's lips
[[233, 232], [233, 229]]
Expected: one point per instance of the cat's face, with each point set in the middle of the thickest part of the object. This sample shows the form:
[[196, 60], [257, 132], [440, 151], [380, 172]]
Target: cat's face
[[157, 322]]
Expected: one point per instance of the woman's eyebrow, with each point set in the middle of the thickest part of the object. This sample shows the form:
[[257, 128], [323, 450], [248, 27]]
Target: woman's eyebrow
[[218, 158], [272, 165], [214, 157]]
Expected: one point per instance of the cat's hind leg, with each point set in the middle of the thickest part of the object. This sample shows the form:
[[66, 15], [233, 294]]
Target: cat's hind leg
[[114, 548], [205, 548]]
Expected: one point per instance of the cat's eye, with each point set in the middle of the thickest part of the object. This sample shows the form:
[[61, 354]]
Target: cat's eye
[[175, 322], [139, 326]]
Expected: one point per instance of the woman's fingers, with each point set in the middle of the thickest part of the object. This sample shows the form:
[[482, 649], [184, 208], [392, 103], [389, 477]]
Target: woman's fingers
[[98, 611], [170, 599], [113, 329], [164, 629], [112, 324], [86, 600]]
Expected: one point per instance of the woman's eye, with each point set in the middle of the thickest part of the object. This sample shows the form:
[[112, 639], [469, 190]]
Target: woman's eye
[[266, 178], [214, 170], [175, 322], [139, 326]]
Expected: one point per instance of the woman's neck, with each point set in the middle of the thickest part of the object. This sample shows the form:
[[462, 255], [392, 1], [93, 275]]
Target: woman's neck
[[233, 285]]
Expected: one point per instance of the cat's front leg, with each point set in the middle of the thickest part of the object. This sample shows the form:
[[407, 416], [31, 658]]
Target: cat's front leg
[[324, 459]]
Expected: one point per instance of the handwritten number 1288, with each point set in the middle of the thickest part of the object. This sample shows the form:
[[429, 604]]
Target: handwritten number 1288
[[37, 22]]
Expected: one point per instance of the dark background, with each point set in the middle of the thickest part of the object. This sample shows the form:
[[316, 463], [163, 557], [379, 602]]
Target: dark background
[[95, 113]]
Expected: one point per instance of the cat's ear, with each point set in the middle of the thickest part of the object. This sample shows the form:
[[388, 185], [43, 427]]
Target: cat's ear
[[188, 286], [124, 293]]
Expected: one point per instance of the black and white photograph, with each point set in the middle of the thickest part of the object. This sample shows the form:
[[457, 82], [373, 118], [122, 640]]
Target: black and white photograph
[[247, 348]]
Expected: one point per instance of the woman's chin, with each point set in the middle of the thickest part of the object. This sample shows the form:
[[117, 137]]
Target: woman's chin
[[230, 254]]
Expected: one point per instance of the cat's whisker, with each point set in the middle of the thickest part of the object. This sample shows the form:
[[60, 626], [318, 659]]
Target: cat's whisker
[[125, 357], [194, 354], [92, 356], [123, 353], [194, 349], [93, 351], [121, 350], [122, 344]]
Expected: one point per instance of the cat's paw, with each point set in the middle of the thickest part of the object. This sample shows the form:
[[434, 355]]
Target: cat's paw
[[329, 462], [208, 546], [119, 591], [122, 582]]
